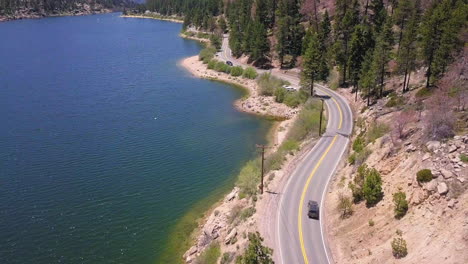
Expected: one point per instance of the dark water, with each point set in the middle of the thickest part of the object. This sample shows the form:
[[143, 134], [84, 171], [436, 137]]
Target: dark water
[[104, 141]]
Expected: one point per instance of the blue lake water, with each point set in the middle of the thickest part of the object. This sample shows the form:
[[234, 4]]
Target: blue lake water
[[105, 142]]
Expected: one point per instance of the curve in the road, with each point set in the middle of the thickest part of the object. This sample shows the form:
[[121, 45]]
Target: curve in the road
[[300, 239]]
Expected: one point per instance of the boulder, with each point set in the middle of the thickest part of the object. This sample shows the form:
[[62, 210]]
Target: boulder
[[411, 148], [431, 186], [190, 252], [452, 148], [232, 195], [446, 173], [230, 236], [451, 204], [442, 188], [426, 156], [433, 145]]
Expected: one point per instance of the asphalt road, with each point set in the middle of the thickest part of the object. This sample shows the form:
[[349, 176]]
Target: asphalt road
[[298, 238]]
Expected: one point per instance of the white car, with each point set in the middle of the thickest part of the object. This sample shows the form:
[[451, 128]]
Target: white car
[[289, 88]]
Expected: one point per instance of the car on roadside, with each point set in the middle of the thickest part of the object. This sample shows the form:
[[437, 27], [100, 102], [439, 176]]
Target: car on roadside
[[229, 63], [289, 88], [313, 210]]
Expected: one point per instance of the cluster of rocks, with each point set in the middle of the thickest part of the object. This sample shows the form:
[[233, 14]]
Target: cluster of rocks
[[447, 169], [216, 227], [78, 10], [266, 106]]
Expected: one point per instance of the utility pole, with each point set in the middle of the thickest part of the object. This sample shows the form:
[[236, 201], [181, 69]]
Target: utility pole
[[320, 125], [262, 149]]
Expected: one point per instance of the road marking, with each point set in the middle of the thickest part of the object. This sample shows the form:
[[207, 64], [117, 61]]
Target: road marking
[[339, 108], [301, 203]]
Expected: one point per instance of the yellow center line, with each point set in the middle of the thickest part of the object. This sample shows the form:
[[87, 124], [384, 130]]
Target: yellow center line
[[306, 186], [339, 108], [301, 203]]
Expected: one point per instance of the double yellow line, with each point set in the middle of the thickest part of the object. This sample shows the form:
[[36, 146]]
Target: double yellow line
[[306, 186]]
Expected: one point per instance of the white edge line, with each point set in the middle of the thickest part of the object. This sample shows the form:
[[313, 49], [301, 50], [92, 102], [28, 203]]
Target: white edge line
[[321, 140], [284, 191], [323, 196]]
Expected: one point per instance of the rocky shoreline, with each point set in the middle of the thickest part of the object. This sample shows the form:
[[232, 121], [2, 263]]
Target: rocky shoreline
[[80, 10]]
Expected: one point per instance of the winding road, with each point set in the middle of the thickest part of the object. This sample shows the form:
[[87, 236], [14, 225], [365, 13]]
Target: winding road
[[298, 238]]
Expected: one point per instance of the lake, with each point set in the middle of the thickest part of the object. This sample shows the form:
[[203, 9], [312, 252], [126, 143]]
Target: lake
[[105, 142]]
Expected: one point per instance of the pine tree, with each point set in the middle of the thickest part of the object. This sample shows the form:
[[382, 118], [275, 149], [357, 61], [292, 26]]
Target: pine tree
[[377, 17], [311, 64], [407, 50], [367, 78], [439, 36], [343, 32], [356, 56], [260, 45], [256, 253], [324, 40], [382, 54]]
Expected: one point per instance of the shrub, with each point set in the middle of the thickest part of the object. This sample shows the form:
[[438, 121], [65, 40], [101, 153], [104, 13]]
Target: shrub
[[395, 100], [210, 255], [358, 144], [216, 41], [268, 84], [221, 66], [376, 130], [358, 181], [206, 54], [307, 121], [464, 158], [227, 257], [227, 69], [424, 175], [256, 252], [234, 214], [401, 205], [212, 64], [280, 93], [246, 213], [203, 35], [424, 92], [249, 177], [290, 145], [345, 206], [371, 222], [362, 156], [293, 99], [352, 159], [399, 247], [372, 188], [237, 71], [250, 73], [274, 161]]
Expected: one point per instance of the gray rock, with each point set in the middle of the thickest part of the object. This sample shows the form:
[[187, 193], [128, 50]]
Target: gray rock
[[431, 186], [461, 179], [446, 173], [232, 195], [452, 148], [411, 148], [230, 236], [426, 156], [451, 203], [442, 188], [433, 145]]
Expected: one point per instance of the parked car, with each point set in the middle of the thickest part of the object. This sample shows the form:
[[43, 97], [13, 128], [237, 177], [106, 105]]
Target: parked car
[[314, 210], [229, 63], [289, 88]]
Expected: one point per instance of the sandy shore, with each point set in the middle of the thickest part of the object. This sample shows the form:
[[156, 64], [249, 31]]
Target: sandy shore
[[156, 18]]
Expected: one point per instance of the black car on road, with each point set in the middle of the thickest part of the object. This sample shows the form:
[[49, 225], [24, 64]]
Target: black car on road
[[313, 210]]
